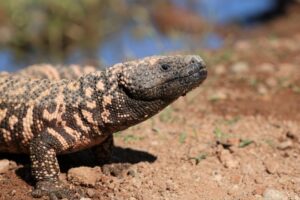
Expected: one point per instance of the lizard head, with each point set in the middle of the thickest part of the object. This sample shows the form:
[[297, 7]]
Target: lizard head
[[162, 77]]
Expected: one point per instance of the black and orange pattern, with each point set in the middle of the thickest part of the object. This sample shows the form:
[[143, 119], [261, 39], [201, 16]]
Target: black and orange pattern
[[49, 111]]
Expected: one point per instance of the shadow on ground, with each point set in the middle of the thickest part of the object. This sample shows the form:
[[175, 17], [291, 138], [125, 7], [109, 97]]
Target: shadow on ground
[[120, 155]]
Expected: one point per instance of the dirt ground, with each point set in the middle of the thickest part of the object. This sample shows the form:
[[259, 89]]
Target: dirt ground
[[235, 137]]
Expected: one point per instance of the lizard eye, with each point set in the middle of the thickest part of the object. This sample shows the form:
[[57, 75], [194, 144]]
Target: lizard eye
[[165, 67]]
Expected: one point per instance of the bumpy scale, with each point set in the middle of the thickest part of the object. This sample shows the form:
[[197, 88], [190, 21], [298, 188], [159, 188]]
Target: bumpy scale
[[44, 117]]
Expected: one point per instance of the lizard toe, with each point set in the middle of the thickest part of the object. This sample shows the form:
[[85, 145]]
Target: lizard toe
[[54, 191]]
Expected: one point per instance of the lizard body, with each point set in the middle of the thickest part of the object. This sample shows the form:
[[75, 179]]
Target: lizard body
[[57, 72], [43, 117]]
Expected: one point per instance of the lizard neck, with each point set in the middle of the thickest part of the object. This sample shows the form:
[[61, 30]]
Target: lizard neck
[[126, 112], [117, 110], [107, 108]]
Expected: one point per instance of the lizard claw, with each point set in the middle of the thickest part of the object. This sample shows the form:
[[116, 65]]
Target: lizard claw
[[53, 190]]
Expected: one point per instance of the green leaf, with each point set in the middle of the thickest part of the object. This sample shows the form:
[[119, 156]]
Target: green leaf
[[245, 143]]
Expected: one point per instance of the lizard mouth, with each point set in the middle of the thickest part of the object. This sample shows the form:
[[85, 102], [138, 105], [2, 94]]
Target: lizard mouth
[[195, 76], [175, 87], [193, 79]]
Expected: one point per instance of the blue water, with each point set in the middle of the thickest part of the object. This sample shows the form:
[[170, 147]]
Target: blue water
[[227, 11], [7, 61], [125, 45]]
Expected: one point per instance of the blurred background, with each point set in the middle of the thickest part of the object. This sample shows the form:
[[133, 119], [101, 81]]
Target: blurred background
[[109, 31]]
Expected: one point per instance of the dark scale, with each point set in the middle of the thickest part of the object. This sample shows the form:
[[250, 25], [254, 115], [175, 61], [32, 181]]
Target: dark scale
[[70, 115]]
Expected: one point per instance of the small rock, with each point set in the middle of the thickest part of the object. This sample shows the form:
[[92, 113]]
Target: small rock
[[285, 145], [84, 198], [170, 185], [233, 190], [267, 67], [271, 166], [242, 45], [218, 95], [259, 180], [119, 170], [227, 159], [111, 185], [136, 182], [90, 192], [272, 194], [259, 190], [85, 176], [262, 89], [292, 136], [235, 179], [4, 166], [13, 193], [248, 169], [271, 82], [13, 165], [131, 173], [240, 67], [220, 69], [216, 176]]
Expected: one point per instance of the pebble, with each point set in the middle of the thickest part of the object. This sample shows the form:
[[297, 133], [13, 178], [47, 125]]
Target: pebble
[[220, 69], [243, 45], [13, 192], [86, 176], [271, 166], [285, 145], [271, 82], [258, 190], [90, 192], [240, 67], [4, 166], [217, 177], [248, 169], [13, 165], [235, 179], [272, 194], [218, 95], [136, 182], [267, 67], [262, 89], [228, 160], [233, 190]]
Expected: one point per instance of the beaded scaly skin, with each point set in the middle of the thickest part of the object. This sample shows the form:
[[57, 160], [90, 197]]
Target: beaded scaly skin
[[44, 117]]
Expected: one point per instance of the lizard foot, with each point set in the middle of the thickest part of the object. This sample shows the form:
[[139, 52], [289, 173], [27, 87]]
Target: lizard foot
[[54, 191]]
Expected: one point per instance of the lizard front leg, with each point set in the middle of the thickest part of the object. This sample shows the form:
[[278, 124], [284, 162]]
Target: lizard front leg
[[104, 155], [45, 168], [103, 152]]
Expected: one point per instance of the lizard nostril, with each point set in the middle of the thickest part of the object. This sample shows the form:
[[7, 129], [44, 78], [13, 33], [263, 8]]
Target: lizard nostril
[[193, 61]]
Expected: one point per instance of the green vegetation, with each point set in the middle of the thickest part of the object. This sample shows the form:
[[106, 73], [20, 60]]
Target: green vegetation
[[199, 157], [182, 137], [56, 26], [232, 121], [245, 142], [219, 134]]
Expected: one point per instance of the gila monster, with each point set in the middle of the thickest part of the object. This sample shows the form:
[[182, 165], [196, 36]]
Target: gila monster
[[44, 118]]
